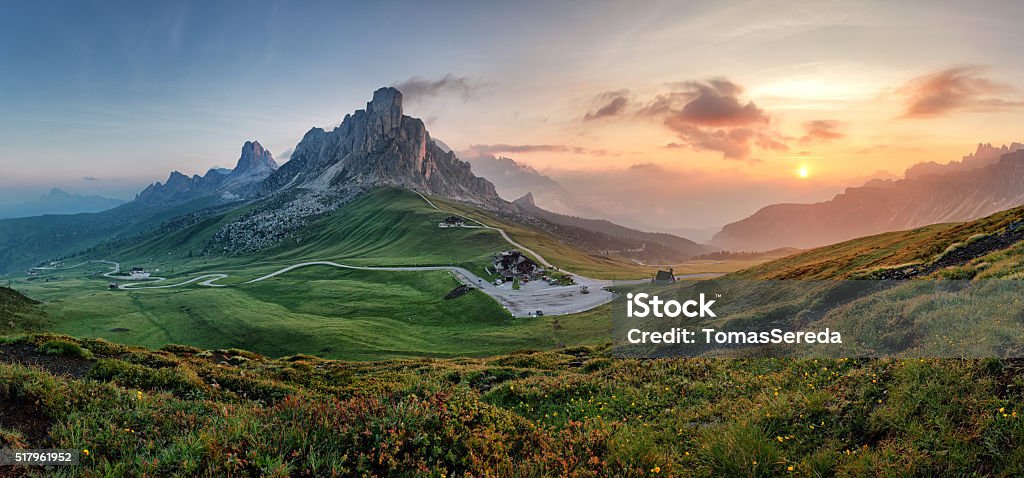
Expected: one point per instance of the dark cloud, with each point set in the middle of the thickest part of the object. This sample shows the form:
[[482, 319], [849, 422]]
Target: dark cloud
[[710, 116], [960, 88], [418, 87], [614, 103], [481, 149], [822, 130]]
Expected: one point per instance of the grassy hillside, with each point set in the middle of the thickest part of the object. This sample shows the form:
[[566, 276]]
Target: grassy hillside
[[558, 253], [355, 315], [384, 227], [19, 313], [864, 255], [348, 314], [182, 411], [25, 242]]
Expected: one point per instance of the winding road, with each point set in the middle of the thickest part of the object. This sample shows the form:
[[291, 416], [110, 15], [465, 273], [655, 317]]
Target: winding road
[[530, 298]]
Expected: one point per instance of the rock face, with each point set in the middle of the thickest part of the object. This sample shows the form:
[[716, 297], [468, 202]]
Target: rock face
[[254, 165], [380, 147], [961, 195], [255, 159]]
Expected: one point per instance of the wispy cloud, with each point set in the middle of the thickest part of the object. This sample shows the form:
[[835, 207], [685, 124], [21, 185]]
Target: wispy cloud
[[711, 116], [822, 130], [90, 178], [419, 88], [613, 103], [960, 88]]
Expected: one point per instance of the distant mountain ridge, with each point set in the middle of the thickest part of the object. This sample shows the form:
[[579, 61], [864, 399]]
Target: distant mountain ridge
[[883, 206], [984, 155], [645, 247], [254, 165], [57, 201]]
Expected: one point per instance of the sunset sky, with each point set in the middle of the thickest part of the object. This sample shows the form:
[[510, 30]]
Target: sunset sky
[[713, 106]]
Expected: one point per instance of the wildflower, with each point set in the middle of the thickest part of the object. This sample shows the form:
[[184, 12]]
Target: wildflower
[[85, 452], [656, 470], [789, 468], [1002, 409]]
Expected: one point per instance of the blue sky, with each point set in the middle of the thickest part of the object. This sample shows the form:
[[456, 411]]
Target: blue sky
[[122, 93]]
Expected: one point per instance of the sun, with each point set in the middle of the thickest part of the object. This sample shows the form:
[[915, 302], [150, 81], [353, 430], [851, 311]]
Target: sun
[[802, 172]]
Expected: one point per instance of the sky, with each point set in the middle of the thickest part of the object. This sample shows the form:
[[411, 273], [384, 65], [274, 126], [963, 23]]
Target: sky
[[723, 106]]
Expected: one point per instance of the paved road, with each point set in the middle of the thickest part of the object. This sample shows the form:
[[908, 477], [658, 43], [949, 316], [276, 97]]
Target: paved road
[[534, 296], [537, 295]]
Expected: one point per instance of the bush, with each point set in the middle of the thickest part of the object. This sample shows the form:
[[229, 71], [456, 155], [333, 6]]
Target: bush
[[63, 347]]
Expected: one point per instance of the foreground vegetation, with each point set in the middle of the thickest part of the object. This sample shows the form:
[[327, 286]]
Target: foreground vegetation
[[176, 410], [569, 412]]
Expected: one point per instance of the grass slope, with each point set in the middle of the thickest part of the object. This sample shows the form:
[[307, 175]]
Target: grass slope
[[19, 313], [558, 253], [354, 315], [182, 411], [887, 250]]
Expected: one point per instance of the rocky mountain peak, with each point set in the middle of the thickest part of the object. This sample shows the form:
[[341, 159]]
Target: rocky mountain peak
[[379, 147], [255, 158], [526, 200]]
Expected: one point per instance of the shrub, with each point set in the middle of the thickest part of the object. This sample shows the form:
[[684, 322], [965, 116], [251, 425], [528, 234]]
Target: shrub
[[64, 347]]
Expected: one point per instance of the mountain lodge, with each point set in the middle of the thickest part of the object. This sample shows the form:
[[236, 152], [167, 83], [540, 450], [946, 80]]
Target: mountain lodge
[[452, 221], [512, 264]]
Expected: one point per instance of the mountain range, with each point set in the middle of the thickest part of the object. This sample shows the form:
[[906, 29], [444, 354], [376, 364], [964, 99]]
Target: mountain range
[[376, 147], [253, 166], [988, 181], [57, 201]]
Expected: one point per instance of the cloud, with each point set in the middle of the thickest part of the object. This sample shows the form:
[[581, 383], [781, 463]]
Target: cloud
[[960, 88], [822, 130], [497, 149], [90, 178], [418, 88], [710, 116], [285, 155], [614, 103]]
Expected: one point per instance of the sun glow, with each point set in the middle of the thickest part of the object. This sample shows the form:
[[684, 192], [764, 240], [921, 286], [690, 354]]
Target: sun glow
[[802, 172]]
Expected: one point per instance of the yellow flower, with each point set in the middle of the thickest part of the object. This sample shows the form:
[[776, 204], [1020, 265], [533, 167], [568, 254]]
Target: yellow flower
[[656, 470], [85, 452], [1002, 409], [790, 467]]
